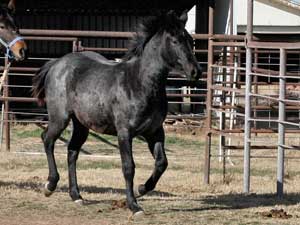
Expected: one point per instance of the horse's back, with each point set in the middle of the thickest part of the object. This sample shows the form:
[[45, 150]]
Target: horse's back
[[80, 70], [86, 59], [80, 65]]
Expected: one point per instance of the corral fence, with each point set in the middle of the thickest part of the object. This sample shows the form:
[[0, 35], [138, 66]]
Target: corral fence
[[256, 94], [244, 85]]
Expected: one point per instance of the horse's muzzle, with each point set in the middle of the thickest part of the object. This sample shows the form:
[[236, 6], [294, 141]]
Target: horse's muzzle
[[199, 72], [19, 50], [193, 71]]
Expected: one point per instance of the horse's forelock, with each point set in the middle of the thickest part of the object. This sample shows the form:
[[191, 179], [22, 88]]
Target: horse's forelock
[[148, 28], [4, 11], [7, 17]]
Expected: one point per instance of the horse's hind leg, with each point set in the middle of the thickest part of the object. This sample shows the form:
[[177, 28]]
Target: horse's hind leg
[[79, 136], [49, 136], [156, 147]]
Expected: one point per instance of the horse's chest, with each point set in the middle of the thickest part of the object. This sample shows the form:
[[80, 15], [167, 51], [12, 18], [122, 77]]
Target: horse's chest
[[150, 119]]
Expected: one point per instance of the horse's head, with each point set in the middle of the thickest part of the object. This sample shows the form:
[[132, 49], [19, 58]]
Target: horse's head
[[177, 46], [9, 34]]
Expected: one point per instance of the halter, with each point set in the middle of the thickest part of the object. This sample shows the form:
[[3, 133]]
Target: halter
[[9, 45]]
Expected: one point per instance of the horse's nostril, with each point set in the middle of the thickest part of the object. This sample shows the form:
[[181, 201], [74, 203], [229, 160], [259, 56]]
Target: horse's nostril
[[22, 53], [193, 72], [198, 72]]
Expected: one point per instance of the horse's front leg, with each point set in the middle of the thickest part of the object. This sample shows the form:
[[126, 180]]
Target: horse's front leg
[[128, 168], [156, 147]]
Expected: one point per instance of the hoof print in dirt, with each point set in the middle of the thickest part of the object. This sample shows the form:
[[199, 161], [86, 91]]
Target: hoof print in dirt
[[276, 213], [118, 204]]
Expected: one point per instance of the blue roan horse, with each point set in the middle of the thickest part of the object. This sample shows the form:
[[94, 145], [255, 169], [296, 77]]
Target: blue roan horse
[[124, 99]]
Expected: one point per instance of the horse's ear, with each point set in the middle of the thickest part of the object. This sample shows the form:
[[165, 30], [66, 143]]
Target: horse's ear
[[171, 13], [12, 5], [170, 17], [184, 16]]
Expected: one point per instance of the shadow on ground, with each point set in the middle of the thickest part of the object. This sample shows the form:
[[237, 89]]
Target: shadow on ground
[[239, 201], [211, 202], [38, 187], [244, 201]]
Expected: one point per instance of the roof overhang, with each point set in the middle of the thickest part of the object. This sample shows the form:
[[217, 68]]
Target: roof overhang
[[102, 5], [283, 5]]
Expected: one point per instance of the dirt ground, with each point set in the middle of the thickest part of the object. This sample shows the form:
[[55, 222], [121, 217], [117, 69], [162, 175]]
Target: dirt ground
[[180, 196]]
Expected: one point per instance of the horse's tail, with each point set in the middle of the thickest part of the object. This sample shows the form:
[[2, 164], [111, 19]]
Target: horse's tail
[[38, 82]]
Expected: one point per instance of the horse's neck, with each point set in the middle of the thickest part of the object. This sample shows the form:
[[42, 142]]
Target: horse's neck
[[152, 72]]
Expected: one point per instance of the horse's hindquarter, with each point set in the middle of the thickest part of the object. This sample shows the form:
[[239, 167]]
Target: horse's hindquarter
[[71, 85]]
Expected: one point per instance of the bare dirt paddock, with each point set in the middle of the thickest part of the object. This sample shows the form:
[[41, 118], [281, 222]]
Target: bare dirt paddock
[[180, 197]]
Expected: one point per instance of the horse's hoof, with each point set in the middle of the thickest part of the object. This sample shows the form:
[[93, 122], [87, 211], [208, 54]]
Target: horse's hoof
[[137, 215], [47, 192], [79, 201]]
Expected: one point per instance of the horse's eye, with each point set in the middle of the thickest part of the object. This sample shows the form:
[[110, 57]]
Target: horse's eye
[[175, 42], [2, 27]]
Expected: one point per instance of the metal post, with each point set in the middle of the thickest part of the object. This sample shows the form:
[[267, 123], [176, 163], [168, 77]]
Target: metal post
[[6, 110], [281, 128], [1, 125], [239, 64], [209, 92], [75, 46], [2, 80], [255, 88], [247, 134], [231, 8], [232, 76], [223, 114], [233, 97]]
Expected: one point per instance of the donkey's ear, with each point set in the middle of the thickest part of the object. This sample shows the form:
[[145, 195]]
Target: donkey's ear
[[184, 16], [12, 5]]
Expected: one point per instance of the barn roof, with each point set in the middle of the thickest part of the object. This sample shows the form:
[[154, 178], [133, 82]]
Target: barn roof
[[292, 6], [103, 5]]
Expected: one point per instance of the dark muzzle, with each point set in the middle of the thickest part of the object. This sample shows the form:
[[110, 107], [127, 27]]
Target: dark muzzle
[[16, 49]]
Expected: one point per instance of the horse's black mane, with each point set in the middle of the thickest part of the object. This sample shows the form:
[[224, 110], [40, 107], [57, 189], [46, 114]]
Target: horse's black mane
[[147, 29]]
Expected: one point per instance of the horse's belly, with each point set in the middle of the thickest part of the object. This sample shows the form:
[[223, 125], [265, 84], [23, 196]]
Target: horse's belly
[[104, 129], [99, 124]]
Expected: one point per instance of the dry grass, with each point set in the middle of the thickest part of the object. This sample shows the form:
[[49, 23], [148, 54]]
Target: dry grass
[[180, 196]]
